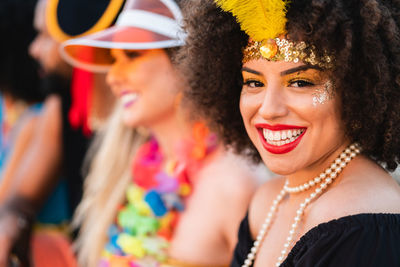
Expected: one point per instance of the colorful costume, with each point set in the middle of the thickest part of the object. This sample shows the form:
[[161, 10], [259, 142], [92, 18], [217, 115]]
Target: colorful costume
[[155, 198]]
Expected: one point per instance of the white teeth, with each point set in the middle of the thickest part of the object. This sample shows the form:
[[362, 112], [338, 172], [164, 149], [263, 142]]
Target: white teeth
[[270, 135], [279, 138], [128, 98]]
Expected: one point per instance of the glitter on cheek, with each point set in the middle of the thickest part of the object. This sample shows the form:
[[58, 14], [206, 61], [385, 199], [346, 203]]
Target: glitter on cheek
[[321, 95]]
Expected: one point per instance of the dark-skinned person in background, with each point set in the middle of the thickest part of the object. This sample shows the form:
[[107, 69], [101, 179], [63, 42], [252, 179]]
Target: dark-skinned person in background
[[62, 132]]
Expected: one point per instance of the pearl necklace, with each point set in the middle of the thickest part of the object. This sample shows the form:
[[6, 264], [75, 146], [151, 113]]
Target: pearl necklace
[[323, 180]]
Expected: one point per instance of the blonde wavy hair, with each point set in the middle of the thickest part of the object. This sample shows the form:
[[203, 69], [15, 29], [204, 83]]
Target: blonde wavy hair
[[104, 189]]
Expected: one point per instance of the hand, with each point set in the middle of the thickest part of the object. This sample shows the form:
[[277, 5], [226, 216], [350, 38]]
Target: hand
[[9, 233], [16, 218]]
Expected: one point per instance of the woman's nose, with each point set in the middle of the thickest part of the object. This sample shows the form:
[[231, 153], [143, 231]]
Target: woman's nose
[[115, 74], [273, 104], [34, 48]]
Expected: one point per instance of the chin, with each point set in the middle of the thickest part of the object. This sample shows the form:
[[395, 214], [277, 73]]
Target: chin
[[280, 164], [281, 169], [130, 122]]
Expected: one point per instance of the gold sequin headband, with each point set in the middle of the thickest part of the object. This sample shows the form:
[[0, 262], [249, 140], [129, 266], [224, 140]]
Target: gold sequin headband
[[264, 21], [281, 49]]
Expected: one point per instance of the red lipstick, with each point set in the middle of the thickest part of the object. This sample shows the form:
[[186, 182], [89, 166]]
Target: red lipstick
[[286, 148]]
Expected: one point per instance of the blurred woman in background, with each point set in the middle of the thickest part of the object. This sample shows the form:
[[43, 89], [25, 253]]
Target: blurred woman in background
[[55, 152], [162, 190]]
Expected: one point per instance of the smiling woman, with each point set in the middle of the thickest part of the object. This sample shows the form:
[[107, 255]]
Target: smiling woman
[[318, 96], [281, 115], [141, 79]]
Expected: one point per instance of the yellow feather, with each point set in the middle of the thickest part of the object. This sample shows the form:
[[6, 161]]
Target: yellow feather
[[260, 19]]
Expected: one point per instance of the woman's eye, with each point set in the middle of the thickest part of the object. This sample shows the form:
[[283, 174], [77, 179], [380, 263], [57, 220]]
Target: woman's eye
[[300, 83], [253, 83], [131, 54]]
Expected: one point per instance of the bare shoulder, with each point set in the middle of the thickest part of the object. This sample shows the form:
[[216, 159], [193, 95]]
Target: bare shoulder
[[233, 175], [224, 187], [262, 200], [228, 182], [28, 123], [364, 188], [52, 109], [52, 103]]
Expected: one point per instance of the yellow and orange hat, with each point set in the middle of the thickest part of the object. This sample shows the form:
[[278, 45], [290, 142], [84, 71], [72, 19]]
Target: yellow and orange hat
[[66, 19], [142, 24]]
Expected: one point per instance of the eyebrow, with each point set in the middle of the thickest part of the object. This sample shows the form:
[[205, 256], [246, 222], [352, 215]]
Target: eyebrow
[[251, 71], [300, 68], [286, 72]]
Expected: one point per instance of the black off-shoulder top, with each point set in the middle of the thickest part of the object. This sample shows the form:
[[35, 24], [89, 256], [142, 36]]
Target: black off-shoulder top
[[362, 240]]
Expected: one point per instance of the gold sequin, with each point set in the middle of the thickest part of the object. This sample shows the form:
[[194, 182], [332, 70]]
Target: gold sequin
[[281, 49], [268, 49]]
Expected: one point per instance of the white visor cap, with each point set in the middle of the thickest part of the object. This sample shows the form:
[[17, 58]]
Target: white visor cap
[[142, 24]]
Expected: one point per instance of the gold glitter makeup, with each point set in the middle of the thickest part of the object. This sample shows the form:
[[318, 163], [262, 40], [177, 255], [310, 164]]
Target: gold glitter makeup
[[322, 95]]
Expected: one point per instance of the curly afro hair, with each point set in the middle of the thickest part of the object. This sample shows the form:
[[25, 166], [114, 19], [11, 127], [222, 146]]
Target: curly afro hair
[[211, 62], [363, 35]]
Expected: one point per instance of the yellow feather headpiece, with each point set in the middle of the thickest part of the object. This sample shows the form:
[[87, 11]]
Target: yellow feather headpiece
[[264, 21], [260, 19]]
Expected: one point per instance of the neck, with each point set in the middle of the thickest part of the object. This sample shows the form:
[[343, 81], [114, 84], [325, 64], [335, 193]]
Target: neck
[[169, 132], [304, 175]]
